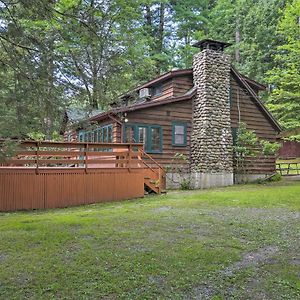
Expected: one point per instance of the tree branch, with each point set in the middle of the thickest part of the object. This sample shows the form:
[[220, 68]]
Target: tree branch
[[18, 45]]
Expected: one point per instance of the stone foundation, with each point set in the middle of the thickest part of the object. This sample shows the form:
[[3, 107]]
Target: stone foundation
[[206, 180], [199, 180], [210, 180], [245, 178], [173, 180]]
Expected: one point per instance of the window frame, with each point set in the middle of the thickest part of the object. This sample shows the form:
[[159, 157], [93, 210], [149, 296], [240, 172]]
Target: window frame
[[148, 144], [81, 136], [157, 87], [96, 134], [179, 123]]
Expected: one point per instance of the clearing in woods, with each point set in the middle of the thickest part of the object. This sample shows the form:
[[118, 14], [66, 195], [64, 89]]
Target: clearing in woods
[[240, 242]]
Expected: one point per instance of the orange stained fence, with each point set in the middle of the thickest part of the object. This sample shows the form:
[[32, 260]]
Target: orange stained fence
[[59, 174]]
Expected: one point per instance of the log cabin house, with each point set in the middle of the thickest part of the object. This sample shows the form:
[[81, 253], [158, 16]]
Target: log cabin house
[[188, 119]]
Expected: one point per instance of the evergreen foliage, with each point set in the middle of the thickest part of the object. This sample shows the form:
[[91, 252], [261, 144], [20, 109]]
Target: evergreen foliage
[[285, 76], [60, 53]]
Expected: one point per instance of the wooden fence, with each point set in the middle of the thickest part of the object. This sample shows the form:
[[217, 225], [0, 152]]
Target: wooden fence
[[59, 174], [288, 169]]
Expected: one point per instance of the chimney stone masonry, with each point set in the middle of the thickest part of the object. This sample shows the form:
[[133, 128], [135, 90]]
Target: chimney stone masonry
[[211, 140]]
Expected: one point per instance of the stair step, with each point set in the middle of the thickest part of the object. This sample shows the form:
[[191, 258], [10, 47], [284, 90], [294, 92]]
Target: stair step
[[147, 177]]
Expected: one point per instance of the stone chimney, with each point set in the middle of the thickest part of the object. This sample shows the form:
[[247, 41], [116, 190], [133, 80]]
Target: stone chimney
[[211, 140]]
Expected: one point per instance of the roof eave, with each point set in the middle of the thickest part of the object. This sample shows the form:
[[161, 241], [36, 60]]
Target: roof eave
[[256, 98], [252, 82], [143, 106], [160, 78]]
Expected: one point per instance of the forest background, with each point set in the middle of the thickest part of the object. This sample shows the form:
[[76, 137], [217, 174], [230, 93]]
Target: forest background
[[57, 54]]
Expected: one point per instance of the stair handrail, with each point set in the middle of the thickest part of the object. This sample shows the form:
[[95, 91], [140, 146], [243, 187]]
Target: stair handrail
[[161, 170], [148, 166], [153, 160], [149, 156]]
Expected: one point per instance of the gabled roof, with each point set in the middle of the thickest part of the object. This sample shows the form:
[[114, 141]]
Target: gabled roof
[[290, 132], [146, 104], [182, 72], [77, 114], [159, 79], [245, 81], [253, 83]]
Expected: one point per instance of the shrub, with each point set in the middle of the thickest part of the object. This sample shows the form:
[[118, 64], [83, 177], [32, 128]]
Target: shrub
[[185, 184], [276, 177]]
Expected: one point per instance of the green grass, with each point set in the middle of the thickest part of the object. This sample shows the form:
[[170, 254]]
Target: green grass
[[240, 242]]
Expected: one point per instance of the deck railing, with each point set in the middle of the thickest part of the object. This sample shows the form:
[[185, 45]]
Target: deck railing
[[44, 154], [58, 174]]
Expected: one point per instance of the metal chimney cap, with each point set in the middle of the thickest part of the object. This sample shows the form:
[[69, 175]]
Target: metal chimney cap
[[211, 44]]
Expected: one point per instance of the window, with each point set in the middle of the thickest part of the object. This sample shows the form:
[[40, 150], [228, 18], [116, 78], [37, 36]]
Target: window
[[90, 138], [142, 135], [155, 138], [101, 134], [129, 134], [157, 90], [105, 134], [149, 135], [179, 134], [109, 134], [81, 136]]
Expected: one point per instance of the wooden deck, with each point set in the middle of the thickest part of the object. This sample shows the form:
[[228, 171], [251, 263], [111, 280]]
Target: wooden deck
[[58, 174]]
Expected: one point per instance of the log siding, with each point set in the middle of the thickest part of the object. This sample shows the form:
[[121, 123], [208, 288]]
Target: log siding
[[242, 108], [245, 109]]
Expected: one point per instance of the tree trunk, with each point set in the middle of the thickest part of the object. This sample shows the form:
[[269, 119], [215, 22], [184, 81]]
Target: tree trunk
[[237, 41], [161, 27], [148, 16]]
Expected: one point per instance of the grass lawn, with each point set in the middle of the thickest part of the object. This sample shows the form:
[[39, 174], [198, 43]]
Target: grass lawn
[[240, 242]]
